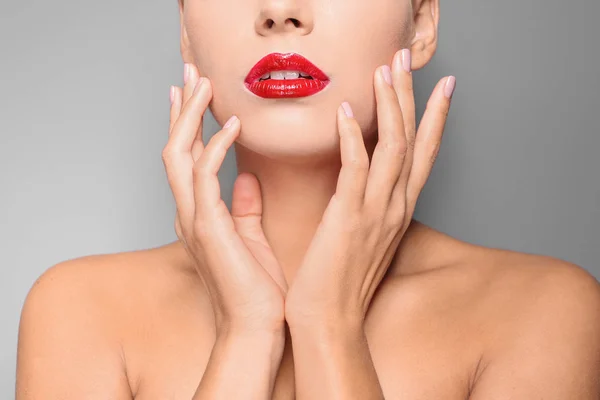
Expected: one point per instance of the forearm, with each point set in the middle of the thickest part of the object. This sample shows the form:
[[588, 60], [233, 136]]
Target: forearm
[[333, 361], [242, 365]]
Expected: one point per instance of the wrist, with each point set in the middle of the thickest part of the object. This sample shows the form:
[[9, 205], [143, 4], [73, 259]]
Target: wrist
[[327, 315], [260, 328], [269, 343], [331, 326], [233, 333]]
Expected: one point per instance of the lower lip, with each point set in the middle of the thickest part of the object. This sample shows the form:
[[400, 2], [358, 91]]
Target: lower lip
[[288, 88]]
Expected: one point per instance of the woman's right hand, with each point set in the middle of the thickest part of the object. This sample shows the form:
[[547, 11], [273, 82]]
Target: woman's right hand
[[243, 279]]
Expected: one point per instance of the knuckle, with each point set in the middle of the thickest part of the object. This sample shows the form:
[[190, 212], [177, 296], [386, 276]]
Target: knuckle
[[373, 232], [167, 155], [391, 234], [201, 230], [198, 169], [434, 153], [182, 236], [178, 231], [397, 211], [353, 225], [359, 163], [396, 147], [444, 110], [410, 143]]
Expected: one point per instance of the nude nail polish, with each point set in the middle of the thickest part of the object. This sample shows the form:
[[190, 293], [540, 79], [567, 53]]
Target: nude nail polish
[[406, 59], [449, 86], [229, 121], [186, 72], [387, 74], [347, 109]]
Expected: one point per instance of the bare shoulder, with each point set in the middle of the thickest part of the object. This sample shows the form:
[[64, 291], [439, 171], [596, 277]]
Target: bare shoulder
[[542, 325], [537, 292], [79, 314], [519, 325]]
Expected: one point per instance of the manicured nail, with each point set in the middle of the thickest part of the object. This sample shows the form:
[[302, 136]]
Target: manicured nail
[[230, 121], [186, 72], [406, 59], [172, 93], [387, 74], [347, 109], [449, 87], [397, 62]]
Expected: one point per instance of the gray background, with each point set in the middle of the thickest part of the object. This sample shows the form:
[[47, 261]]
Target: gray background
[[84, 113]]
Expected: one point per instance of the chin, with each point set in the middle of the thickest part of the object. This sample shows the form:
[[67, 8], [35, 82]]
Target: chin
[[292, 130]]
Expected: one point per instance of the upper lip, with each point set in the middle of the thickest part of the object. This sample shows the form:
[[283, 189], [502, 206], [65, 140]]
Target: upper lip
[[284, 62]]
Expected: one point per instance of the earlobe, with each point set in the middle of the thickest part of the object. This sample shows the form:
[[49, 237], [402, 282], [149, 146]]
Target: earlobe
[[424, 42]]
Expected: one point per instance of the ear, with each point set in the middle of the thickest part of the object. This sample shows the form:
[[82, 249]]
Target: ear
[[424, 41], [186, 52]]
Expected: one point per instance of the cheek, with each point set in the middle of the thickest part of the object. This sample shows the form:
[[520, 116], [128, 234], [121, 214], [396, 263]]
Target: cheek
[[361, 96], [280, 129]]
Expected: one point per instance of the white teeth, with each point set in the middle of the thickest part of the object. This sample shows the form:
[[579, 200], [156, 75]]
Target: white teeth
[[282, 75], [278, 75], [292, 74]]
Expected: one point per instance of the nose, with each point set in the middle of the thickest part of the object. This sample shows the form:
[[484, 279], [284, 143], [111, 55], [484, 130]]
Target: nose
[[284, 16]]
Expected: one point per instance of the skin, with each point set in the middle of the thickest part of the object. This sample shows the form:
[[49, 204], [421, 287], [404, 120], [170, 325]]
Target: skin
[[318, 283]]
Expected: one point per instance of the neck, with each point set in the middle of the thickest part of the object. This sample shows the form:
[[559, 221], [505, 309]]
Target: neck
[[295, 196]]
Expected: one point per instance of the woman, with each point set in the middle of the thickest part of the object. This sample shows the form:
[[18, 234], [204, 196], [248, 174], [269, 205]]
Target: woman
[[318, 284]]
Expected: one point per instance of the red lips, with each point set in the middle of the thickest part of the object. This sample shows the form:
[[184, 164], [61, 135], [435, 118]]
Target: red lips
[[272, 88]]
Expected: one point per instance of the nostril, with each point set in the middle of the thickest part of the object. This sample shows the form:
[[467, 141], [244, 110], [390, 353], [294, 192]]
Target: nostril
[[269, 23]]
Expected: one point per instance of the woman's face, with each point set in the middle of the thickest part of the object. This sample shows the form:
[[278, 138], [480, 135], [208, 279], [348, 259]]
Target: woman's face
[[346, 39]]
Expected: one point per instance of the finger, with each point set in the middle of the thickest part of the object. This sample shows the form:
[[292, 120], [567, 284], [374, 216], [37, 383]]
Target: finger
[[190, 79], [193, 78], [429, 138], [177, 153], [178, 230], [198, 144], [207, 191], [403, 85], [175, 106], [246, 211], [175, 95], [388, 156], [246, 206], [352, 179]]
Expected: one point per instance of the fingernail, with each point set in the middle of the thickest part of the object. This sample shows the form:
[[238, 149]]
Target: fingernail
[[347, 109], [449, 87], [397, 62], [186, 72], [406, 59], [172, 93], [230, 121], [387, 74]]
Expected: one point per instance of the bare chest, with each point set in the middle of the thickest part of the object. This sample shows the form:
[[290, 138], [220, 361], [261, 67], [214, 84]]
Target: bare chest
[[418, 352]]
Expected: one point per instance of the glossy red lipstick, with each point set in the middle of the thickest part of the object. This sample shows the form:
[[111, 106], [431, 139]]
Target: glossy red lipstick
[[285, 88]]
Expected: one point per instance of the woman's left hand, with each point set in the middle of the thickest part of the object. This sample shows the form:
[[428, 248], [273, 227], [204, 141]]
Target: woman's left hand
[[373, 204]]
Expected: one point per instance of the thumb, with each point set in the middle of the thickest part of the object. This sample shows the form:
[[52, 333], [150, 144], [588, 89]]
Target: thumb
[[246, 207], [246, 211]]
